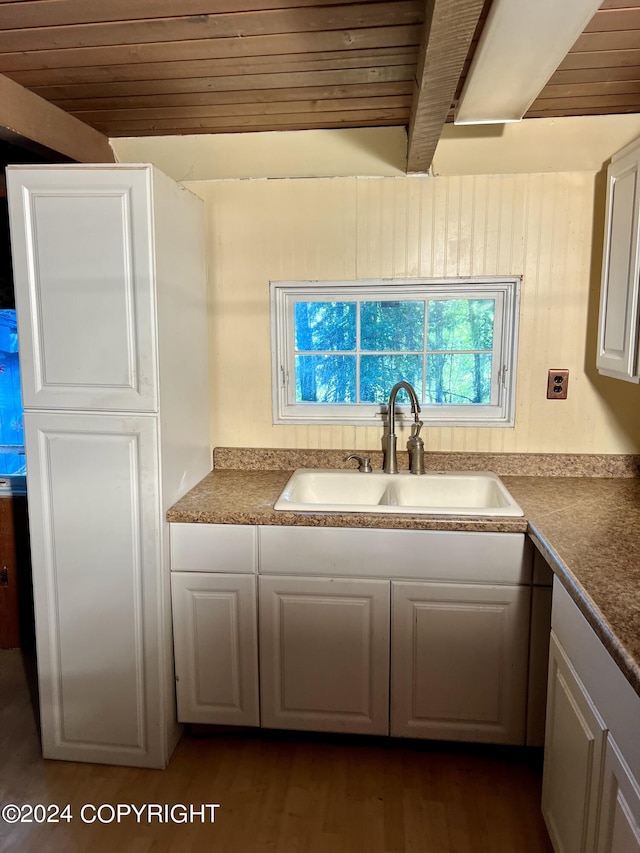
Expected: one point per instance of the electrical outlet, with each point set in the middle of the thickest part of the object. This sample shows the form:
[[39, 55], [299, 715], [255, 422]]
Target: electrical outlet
[[557, 383]]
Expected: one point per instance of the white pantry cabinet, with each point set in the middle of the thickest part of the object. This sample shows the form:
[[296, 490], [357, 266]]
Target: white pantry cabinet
[[330, 641], [619, 328], [590, 792], [109, 269]]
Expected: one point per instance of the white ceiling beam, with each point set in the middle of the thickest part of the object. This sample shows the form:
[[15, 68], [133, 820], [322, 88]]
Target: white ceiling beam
[[522, 44], [449, 28]]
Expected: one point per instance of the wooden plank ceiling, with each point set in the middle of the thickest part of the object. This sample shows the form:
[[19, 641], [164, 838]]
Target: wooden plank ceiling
[[601, 73], [149, 67]]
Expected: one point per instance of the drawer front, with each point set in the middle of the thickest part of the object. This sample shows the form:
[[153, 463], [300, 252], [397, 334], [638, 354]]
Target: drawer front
[[440, 555], [227, 548]]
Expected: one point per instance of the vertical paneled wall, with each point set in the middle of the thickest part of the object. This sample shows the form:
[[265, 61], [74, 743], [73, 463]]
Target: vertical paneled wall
[[536, 225]]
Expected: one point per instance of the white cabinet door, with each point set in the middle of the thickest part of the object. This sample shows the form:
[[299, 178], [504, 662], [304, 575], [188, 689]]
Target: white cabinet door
[[619, 318], [459, 661], [216, 648], [98, 586], [574, 743], [83, 267], [619, 825], [324, 654]]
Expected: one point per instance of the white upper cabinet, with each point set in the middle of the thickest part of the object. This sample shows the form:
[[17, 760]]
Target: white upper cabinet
[[619, 328], [84, 249]]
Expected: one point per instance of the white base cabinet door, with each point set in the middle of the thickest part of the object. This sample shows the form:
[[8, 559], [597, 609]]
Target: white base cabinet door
[[619, 830], [324, 654], [459, 661], [574, 743], [215, 638]]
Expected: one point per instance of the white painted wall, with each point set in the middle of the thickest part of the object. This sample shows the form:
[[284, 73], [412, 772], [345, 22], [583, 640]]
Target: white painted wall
[[578, 144], [545, 225]]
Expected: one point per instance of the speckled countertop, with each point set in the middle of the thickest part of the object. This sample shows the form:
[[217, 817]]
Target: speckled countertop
[[588, 529]]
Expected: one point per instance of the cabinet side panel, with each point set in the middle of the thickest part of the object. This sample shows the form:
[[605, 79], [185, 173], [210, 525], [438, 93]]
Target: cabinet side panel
[[181, 294], [538, 664], [183, 351]]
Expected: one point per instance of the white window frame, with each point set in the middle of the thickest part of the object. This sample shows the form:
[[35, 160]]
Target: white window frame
[[499, 413]]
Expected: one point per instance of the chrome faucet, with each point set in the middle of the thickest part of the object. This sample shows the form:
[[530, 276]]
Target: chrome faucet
[[389, 439]]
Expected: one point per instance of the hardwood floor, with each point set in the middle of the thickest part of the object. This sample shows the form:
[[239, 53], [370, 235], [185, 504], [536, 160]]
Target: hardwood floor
[[282, 793]]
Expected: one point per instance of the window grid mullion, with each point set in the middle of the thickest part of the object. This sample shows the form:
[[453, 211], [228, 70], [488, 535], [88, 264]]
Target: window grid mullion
[[358, 349], [425, 332]]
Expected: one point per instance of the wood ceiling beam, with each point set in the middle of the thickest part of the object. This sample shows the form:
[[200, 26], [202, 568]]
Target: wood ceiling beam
[[25, 115], [448, 31]]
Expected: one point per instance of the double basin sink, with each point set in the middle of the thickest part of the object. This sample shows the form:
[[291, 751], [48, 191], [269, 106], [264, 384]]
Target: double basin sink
[[435, 493]]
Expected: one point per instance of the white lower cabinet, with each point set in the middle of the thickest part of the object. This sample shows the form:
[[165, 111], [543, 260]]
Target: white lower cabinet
[[590, 791], [619, 830], [324, 654], [459, 661], [331, 641], [216, 648], [574, 743]]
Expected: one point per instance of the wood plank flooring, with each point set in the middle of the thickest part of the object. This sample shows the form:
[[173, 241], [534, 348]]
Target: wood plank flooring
[[282, 793]]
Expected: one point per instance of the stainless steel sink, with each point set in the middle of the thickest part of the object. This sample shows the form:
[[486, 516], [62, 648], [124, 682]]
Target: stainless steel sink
[[448, 493]]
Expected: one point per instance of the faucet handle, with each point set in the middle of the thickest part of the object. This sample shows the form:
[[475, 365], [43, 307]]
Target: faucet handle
[[364, 462]]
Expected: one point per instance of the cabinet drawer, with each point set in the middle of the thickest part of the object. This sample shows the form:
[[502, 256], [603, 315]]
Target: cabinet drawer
[[413, 554], [213, 548]]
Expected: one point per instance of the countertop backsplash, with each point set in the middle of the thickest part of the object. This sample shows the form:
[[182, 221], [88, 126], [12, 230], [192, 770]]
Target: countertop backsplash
[[503, 464]]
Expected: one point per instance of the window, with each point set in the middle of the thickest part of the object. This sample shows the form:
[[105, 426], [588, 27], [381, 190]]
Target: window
[[339, 347], [11, 426]]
